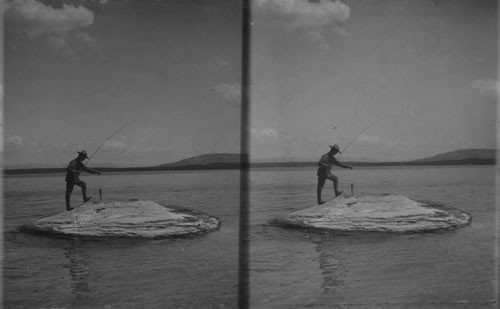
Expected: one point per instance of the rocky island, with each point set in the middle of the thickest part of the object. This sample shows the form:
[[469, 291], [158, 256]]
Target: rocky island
[[131, 219], [386, 213]]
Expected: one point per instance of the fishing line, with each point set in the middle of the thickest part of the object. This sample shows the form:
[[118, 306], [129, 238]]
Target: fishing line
[[362, 131], [107, 139], [368, 126], [146, 138]]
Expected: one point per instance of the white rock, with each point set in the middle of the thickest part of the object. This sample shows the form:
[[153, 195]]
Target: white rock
[[142, 219], [389, 213]]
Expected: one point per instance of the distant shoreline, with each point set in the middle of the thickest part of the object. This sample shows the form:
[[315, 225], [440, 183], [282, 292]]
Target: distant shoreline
[[233, 166]]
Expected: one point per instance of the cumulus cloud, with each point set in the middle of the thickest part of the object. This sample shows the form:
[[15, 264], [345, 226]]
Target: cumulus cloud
[[487, 87], [267, 133], [313, 18], [57, 25], [230, 91]]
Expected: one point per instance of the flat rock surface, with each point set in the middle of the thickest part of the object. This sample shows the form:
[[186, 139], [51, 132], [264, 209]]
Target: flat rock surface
[[388, 213], [141, 219]]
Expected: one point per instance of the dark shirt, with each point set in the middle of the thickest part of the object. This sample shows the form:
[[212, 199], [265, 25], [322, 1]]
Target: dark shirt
[[75, 167], [325, 165]]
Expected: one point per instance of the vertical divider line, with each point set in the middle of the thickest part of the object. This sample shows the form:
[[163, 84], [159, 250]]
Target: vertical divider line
[[243, 255], [496, 245]]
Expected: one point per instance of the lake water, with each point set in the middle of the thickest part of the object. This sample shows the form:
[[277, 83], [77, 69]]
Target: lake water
[[287, 268], [296, 269], [44, 272]]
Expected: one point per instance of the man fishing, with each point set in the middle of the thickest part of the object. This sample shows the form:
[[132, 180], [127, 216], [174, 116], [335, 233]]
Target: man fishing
[[324, 171], [73, 177]]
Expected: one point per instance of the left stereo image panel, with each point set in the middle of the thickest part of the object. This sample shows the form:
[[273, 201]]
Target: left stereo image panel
[[122, 142]]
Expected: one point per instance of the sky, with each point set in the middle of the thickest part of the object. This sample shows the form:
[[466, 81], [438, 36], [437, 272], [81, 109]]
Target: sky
[[412, 78], [388, 79], [167, 71]]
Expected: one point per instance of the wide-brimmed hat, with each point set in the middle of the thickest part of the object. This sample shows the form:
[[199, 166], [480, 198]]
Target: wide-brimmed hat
[[83, 153], [336, 147]]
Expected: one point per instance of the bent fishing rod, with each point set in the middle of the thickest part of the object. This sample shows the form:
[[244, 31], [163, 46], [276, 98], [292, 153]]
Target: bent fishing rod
[[108, 138]]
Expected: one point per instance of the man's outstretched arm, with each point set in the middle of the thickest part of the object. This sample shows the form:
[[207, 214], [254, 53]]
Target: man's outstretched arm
[[342, 165], [88, 170]]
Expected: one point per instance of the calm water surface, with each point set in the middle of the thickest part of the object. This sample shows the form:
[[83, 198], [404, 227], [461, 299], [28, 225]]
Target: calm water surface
[[288, 268], [44, 272], [297, 269]]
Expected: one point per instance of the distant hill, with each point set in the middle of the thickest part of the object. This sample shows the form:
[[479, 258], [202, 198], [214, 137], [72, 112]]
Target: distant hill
[[232, 161], [462, 154], [207, 160]]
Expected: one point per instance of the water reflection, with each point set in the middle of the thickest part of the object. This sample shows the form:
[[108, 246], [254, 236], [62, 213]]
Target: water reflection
[[78, 268], [333, 272]]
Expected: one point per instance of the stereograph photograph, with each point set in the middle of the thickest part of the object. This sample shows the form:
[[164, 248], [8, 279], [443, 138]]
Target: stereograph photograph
[[250, 154]]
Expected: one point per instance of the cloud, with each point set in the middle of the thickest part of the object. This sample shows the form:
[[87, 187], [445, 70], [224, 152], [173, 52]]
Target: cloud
[[369, 139], [114, 145], [314, 36], [230, 91], [57, 42], [222, 63], [487, 87], [1, 102], [312, 18], [267, 133], [83, 36], [14, 140], [57, 25], [78, 147], [218, 64]]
